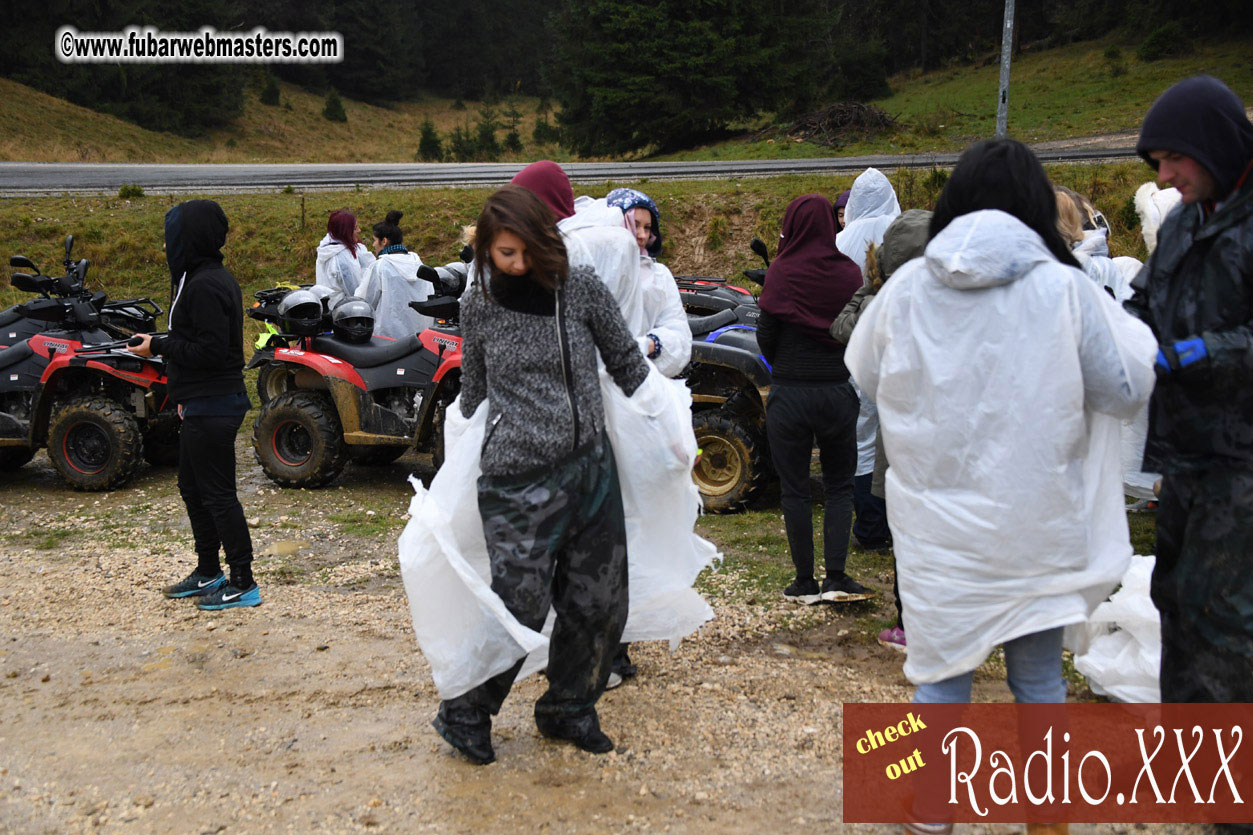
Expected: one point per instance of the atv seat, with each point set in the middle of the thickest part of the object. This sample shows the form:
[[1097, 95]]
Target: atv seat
[[9, 316], [15, 354], [378, 352], [707, 324]]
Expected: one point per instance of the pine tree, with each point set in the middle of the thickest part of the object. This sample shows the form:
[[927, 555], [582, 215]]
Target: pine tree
[[270, 93], [430, 146], [334, 108]]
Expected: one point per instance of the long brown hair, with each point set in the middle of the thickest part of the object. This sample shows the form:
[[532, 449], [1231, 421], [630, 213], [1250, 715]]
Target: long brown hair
[[518, 210]]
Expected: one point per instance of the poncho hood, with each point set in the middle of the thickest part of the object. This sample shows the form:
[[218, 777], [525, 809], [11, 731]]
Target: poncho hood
[[328, 248], [982, 249], [550, 184], [809, 281], [871, 196]]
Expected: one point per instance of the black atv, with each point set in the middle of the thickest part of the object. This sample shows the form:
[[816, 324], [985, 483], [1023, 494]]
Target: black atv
[[729, 380], [119, 319], [94, 405]]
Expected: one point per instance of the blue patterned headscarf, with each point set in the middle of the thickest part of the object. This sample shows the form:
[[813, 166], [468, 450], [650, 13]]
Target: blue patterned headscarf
[[627, 199]]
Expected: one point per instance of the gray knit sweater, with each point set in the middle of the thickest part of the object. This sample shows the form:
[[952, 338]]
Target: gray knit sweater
[[538, 392]]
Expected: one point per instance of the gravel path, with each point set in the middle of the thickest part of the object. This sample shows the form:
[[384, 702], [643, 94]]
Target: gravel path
[[123, 711]]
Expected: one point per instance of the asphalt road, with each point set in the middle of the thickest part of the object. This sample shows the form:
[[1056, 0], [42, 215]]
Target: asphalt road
[[41, 178]]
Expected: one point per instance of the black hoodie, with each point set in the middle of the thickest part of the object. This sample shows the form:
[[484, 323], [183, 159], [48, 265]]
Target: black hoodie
[[1201, 118], [204, 350]]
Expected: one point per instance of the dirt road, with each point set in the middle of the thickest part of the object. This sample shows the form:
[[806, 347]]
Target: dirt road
[[123, 711]]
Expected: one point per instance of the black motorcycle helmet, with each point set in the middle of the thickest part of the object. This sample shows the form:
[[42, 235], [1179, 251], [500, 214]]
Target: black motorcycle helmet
[[353, 321], [301, 312]]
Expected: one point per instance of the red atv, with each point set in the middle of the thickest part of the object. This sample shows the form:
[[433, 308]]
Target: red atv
[[97, 407], [330, 400]]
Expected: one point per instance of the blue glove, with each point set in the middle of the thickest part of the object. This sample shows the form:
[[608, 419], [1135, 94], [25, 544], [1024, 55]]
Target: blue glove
[[1189, 351]]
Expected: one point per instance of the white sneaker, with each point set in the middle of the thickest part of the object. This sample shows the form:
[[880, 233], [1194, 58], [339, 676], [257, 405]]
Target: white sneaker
[[615, 680]]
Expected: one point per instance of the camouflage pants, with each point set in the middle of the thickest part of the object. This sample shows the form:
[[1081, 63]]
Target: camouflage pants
[[557, 538], [1203, 586]]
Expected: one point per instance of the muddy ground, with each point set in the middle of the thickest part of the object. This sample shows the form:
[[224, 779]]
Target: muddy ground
[[123, 711]]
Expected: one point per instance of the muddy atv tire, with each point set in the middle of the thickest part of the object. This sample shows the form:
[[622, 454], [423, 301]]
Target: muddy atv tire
[[94, 443], [273, 379], [732, 468], [298, 440], [375, 455], [161, 439], [14, 457]]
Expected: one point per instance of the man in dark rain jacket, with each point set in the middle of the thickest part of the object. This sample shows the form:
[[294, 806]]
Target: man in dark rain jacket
[[204, 355], [1196, 293]]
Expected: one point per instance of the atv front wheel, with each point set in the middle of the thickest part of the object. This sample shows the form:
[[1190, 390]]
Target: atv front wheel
[[161, 439], [13, 457], [94, 443], [298, 440], [732, 466]]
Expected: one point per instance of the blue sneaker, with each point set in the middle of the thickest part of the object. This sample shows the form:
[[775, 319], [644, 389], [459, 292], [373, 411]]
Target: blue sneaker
[[195, 585], [229, 597]]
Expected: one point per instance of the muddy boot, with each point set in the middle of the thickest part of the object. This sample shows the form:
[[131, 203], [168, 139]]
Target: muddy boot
[[583, 730], [466, 729]]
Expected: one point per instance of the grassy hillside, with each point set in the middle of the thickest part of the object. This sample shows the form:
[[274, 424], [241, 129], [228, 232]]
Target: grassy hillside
[[707, 224], [1076, 90], [40, 128], [1088, 88]]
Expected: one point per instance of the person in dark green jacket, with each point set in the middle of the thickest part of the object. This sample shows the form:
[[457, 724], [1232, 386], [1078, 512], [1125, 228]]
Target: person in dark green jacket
[[1196, 293]]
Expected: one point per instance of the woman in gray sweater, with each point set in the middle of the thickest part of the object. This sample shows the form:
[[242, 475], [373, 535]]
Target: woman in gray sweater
[[549, 494]]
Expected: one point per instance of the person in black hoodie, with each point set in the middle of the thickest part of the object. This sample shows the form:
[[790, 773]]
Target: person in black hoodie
[[204, 357], [1196, 293]]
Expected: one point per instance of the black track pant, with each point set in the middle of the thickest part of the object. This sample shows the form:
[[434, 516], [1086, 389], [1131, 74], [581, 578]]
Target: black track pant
[[557, 538], [1203, 586], [206, 480], [796, 417]]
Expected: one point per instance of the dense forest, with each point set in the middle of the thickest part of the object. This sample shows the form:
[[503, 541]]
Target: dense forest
[[626, 75]]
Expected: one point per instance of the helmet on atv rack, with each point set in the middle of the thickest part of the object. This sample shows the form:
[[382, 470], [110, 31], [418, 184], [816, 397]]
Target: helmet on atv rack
[[353, 321], [301, 313], [324, 294]]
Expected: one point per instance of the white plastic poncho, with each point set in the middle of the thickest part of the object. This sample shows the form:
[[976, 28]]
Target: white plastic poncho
[[337, 269], [665, 317], [389, 285], [462, 626], [1152, 205], [1001, 377], [1092, 253], [1115, 275], [660, 308], [872, 206], [1120, 648]]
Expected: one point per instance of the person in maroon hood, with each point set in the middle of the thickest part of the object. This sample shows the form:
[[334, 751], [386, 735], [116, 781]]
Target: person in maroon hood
[[811, 398]]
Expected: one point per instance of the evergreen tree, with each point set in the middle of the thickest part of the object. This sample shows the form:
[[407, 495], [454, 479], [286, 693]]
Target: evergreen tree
[[664, 74], [430, 146], [270, 93], [333, 110]]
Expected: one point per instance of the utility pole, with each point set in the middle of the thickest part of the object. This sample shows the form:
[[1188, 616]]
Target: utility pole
[[1007, 50]]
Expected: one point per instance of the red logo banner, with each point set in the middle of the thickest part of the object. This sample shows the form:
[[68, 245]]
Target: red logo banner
[[1007, 763]]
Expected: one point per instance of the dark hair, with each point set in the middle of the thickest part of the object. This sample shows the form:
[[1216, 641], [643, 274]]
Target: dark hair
[[388, 229], [342, 227], [516, 209], [1003, 174]]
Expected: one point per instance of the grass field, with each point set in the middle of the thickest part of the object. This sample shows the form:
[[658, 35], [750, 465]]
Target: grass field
[[41, 128], [1076, 90], [1071, 91], [707, 225]]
